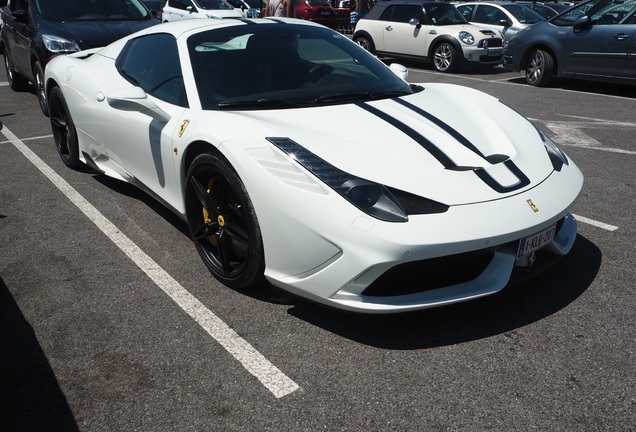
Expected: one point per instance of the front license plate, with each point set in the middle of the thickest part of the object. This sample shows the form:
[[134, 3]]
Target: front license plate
[[497, 52], [536, 241]]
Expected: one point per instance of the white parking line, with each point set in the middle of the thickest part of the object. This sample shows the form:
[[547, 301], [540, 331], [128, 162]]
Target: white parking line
[[595, 223], [269, 375]]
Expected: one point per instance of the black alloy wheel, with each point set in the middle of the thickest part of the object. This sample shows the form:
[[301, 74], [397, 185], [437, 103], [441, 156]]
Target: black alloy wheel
[[223, 223], [64, 133]]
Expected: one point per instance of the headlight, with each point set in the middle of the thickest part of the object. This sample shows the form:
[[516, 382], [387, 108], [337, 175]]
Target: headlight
[[57, 44], [466, 37], [372, 198], [557, 157], [252, 13]]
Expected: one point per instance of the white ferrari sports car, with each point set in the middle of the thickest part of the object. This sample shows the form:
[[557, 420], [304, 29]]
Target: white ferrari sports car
[[297, 157]]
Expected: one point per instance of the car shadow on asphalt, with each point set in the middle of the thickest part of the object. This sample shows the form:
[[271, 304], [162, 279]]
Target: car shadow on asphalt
[[500, 313], [30, 396]]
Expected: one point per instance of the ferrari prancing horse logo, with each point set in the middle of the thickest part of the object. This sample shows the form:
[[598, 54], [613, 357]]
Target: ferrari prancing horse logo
[[533, 206], [182, 127]]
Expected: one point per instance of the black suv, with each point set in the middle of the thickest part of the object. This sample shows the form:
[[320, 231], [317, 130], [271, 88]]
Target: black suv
[[35, 31]]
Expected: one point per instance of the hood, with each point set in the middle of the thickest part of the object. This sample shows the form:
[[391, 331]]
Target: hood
[[448, 143], [92, 34]]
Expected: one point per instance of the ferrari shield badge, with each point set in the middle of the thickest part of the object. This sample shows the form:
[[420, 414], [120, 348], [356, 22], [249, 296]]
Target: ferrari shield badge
[[533, 206], [182, 127]]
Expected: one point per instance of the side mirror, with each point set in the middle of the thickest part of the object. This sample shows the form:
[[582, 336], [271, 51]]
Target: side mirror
[[505, 23], [400, 71], [20, 16], [135, 99], [581, 23], [415, 22]]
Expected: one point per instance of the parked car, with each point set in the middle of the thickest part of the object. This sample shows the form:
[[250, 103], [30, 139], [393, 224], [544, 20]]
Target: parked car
[[249, 8], [428, 194], [504, 17], [431, 31], [595, 40], [175, 10], [155, 7], [546, 12], [318, 11], [36, 31]]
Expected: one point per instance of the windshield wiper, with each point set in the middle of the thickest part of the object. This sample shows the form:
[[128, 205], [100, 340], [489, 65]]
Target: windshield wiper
[[258, 103], [351, 97]]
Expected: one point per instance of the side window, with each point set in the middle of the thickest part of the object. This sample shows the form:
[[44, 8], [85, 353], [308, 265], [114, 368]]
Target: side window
[[467, 11], [615, 13], [489, 15], [152, 63], [386, 15], [404, 13]]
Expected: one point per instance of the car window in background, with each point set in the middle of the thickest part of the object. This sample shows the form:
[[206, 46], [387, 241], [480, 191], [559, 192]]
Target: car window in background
[[567, 18], [523, 14], [214, 4], [444, 14], [402, 13], [616, 13]]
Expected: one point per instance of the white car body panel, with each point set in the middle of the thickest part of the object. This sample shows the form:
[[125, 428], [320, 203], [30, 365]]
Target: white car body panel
[[316, 243]]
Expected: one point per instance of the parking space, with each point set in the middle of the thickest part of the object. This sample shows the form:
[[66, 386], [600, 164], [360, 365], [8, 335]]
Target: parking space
[[110, 321]]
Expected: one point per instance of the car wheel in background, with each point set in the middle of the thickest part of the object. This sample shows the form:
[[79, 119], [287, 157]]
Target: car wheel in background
[[16, 81], [63, 128], [223, 223], [445, 57], [38, 75], [540, 68], [365, 43]]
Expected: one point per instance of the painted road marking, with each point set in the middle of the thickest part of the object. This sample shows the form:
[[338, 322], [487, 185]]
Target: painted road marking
[[595, 223], [269, 375]]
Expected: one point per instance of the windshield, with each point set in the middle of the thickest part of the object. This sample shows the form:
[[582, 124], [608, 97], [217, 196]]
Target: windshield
[[444, 14], [214, 4], [285, 66], [523, 14], [92, 10]]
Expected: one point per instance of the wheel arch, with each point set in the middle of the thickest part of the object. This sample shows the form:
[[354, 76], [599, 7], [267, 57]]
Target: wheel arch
[[365, 34], [445, 38], [193, 150]]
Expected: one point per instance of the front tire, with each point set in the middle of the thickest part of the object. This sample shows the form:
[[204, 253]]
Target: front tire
[[540, 69], [64, 133], [16, 81], [445, 58], [38, 75], [223, 223]]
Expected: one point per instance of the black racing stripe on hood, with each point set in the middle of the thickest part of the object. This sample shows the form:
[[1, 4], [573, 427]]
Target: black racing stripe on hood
[[412, 133], [444, 126]]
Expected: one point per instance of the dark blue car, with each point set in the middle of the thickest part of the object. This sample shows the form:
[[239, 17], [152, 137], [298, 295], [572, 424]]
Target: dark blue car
[[595, 40], [35, 31]]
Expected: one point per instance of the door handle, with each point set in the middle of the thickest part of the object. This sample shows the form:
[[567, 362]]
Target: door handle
[[388, 28], [621, 36]]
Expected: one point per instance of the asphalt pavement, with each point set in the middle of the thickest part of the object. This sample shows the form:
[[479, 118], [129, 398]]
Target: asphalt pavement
[[92, 340]]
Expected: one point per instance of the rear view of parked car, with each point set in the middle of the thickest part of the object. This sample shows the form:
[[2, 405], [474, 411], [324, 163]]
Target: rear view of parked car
[[595, 40], [318, 11], [35, 31], [425, 30], [504, 17], [176, 10]]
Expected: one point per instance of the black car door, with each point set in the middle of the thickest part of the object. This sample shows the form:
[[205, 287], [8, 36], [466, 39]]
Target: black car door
[[17, 30]]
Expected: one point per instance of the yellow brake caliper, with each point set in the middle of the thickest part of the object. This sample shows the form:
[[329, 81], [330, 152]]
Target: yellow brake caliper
[[207, 219]]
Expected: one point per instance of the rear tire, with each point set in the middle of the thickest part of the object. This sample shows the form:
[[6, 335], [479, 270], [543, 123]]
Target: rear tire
[[365, 43], [540, 69]]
